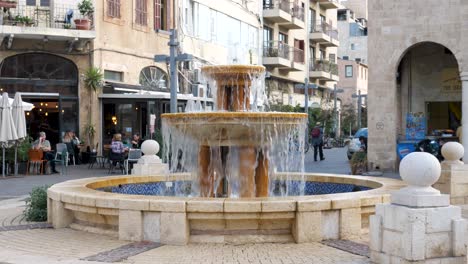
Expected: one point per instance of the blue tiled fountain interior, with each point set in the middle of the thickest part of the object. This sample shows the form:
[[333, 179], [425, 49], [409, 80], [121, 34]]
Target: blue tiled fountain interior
[[183, 188]]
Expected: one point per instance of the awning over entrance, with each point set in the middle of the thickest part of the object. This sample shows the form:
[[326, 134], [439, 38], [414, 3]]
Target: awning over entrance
[[118, 90]]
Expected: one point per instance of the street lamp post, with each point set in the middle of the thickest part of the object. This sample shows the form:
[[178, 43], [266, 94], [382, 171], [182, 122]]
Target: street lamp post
[[359, 97], [172, 60], [335, 112]]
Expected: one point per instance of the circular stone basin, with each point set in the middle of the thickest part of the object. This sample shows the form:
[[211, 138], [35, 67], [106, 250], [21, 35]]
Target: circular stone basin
[[234, 128], [183, 188], [178, 220]]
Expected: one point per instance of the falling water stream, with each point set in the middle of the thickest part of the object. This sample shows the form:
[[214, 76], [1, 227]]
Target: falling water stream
[[236, 144]]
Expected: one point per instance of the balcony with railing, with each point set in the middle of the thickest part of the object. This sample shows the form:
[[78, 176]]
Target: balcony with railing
[[298, 60], [55, 22], [323, 70], [297, 18], [282, 56], [324, 34], [277, 11], [329, 4], [276, 54]]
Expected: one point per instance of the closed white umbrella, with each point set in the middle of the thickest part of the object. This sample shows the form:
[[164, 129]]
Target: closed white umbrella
[[19, 120], [26, 106], [8, 134]]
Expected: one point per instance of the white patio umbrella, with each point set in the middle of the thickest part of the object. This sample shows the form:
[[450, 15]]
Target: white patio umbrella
[[8, 134], [19, 120], [26, 106]]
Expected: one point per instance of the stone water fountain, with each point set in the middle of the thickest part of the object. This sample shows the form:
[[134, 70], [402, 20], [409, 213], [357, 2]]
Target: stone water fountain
[[236, 175], [235, 144]]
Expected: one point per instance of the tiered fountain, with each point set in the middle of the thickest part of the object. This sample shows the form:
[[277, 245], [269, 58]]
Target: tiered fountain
[[236, 176], [235, 144]]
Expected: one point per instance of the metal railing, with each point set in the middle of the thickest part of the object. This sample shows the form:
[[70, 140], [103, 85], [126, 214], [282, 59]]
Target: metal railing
[[324, 65], [281, 4], [56, 16], [276, 49], [325, 28], [298, 55], [298, 12]]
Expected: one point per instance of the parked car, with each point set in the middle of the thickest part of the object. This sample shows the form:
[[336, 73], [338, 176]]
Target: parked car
[[354, 145]]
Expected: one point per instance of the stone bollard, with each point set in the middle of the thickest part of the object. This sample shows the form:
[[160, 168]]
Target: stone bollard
[[454, 176], [419, 225], [150, 163]]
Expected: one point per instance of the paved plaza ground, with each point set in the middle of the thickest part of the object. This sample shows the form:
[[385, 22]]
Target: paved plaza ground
[[23, 242]]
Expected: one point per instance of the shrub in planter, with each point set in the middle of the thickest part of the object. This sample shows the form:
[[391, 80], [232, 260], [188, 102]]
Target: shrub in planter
[[358, 163], [86, 10], [36, 205]]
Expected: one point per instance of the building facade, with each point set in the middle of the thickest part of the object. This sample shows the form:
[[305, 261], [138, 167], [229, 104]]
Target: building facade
[[43, 56], [299, 42], [417, 68], [353, 80]]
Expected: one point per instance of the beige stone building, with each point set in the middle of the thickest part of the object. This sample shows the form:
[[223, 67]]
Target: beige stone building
[[353, 80], [43, 56], [417, 66], [299, 42]]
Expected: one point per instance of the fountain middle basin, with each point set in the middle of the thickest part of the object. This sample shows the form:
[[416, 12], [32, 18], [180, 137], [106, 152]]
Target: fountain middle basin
[[81, 205]]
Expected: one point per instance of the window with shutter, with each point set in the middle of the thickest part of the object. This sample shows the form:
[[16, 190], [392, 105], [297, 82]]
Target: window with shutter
[[141, 13]]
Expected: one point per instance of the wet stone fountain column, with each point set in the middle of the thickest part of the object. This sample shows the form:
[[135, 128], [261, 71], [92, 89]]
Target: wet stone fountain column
[[233, 95]]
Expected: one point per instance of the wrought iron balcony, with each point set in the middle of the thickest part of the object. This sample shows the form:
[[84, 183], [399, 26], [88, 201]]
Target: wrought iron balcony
[[325, 34], [324, 70], [55, 22]]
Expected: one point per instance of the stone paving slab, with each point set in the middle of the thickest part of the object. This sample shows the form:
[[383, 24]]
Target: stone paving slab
[[123, 252], [349, 246]]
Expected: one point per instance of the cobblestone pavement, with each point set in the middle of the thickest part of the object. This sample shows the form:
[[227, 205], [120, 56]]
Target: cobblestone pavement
[[253, 253], [70, 246]]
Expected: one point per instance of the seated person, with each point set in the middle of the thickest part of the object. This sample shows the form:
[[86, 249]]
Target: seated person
[[67, 140], [43, 144], [117, 149], [136, 141]]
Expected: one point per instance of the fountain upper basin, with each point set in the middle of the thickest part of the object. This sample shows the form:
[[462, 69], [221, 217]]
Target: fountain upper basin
[[234, 128]]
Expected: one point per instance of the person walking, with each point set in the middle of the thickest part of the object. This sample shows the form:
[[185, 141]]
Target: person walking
[[317, 141]]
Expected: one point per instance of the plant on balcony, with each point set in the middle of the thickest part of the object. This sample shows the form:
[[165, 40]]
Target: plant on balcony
[[93, 81], [23, 21], [67, 26], [86, 9]]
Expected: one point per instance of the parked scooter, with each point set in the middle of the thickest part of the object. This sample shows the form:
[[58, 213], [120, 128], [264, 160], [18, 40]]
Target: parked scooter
[[430, 146]]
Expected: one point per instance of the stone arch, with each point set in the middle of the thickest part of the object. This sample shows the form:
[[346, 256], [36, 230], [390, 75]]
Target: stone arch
[[405, 49], [427, 81]]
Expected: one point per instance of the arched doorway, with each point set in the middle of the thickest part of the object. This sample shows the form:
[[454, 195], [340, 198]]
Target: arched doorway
[[48, 81], [428, 92]]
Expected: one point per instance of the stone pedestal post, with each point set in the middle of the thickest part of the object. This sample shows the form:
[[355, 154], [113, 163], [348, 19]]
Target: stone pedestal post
[[454, 176], [150, 164], [419, 225]]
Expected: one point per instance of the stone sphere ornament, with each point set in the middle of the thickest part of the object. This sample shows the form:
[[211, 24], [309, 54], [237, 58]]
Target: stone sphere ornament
[[453, 152], [150, 147], [420, 169]]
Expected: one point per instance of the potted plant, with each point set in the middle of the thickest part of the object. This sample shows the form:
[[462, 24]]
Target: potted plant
[[86, 9], [358, 163], [67, 26], [22, 156]]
